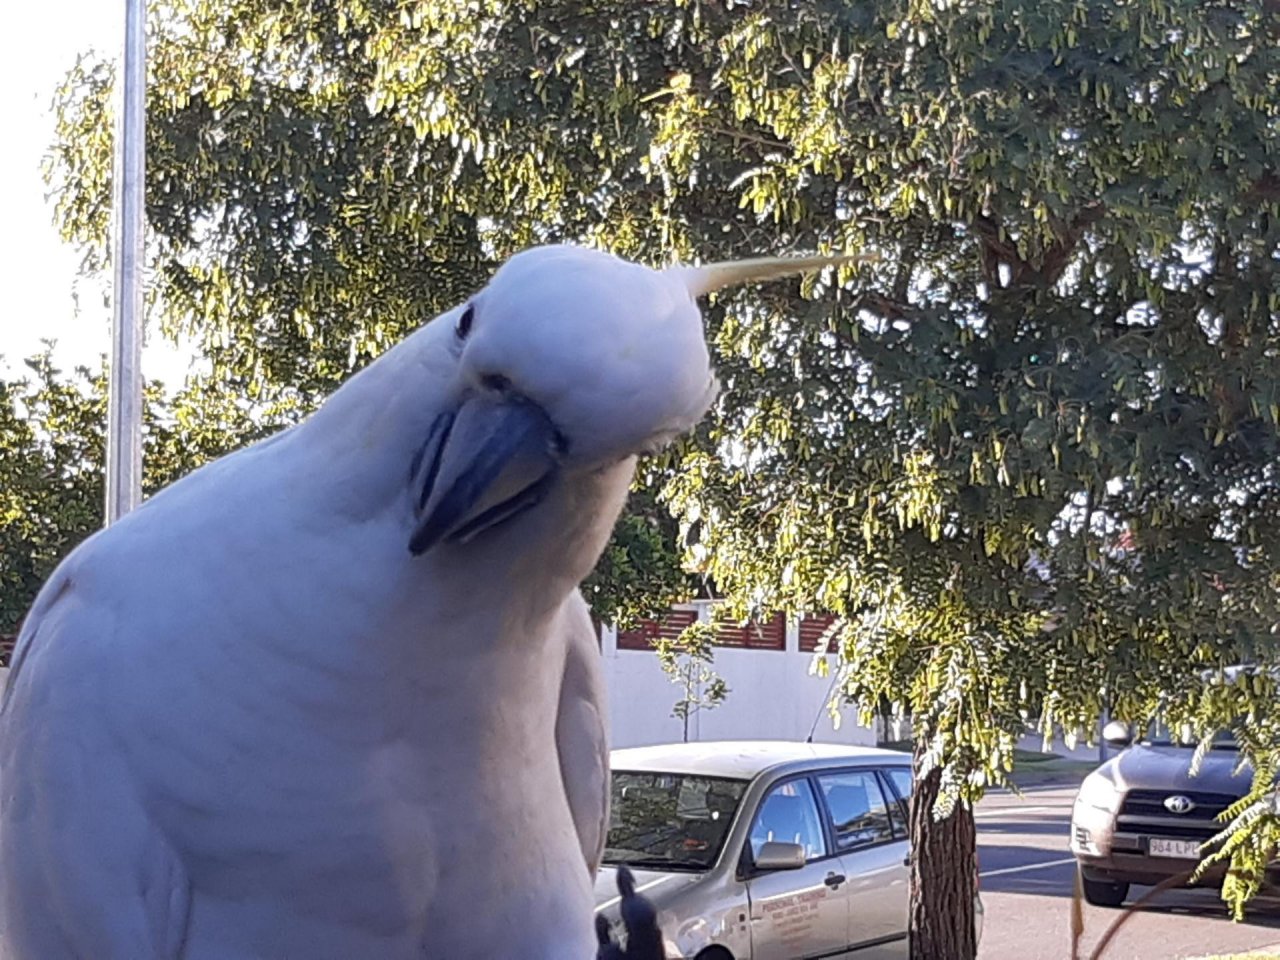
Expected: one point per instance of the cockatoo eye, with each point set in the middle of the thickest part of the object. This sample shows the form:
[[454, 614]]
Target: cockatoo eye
[[464, 322], [495, 383]]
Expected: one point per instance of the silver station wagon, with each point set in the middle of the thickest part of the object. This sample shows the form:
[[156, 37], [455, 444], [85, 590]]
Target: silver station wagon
[[759, 850]]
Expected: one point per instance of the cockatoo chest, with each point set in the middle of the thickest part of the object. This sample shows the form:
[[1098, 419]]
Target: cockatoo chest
[[338, 748], [338, 733]]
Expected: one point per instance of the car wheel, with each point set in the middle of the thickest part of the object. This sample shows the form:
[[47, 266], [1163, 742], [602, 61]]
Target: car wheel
[[714, 953], [1103, 893]]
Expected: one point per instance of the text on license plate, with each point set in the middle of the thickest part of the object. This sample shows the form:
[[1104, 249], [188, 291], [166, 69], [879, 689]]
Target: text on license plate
[[1183, 849]]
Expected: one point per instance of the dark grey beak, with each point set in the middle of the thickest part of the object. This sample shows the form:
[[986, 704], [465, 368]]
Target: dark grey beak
[[493, 459]]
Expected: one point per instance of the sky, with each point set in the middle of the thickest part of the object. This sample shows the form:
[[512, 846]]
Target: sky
[[42, 295]]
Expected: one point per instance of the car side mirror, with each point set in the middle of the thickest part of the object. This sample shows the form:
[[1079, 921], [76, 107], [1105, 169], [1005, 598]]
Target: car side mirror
[[1116, 733], [779, 856]]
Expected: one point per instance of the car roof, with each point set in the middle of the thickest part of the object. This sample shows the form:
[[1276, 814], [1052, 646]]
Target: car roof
[[745, 759]]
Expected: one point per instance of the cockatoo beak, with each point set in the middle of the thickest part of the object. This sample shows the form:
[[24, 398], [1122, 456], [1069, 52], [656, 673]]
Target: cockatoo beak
[[493, 459], [716, 276]]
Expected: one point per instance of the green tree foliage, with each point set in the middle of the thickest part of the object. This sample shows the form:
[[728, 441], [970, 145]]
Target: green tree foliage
[[51, 496], [1242, 703], [640, 573], [1030, 455]]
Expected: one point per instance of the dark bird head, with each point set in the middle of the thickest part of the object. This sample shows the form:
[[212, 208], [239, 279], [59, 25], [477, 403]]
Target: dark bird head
[[640, 918]]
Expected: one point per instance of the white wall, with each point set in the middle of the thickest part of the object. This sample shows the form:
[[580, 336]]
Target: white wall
[[771, 696]]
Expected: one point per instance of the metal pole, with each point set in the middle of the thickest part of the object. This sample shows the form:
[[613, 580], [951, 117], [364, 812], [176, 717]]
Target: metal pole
[[124, 403], [1102, 743]]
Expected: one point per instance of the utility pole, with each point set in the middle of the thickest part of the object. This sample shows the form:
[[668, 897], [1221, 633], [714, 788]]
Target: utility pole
[[1102, 726], [124, 400]]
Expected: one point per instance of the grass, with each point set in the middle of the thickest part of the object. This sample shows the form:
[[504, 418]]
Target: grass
[[1031, 768]]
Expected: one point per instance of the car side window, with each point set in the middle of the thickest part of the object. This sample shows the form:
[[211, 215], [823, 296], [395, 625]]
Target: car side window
[[899, 812], [789, 814], [859, 813], [902, 781]]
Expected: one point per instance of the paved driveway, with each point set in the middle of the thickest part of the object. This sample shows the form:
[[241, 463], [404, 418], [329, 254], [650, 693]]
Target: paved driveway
[[1027, 880]]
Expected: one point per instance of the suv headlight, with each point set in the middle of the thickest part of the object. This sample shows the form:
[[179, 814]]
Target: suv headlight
[[1100, 792]]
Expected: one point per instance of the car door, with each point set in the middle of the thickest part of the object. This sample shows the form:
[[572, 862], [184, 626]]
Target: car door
[[870, 837], [799, 913]]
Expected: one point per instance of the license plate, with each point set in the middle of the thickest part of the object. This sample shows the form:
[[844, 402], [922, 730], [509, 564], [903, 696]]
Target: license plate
[[1180, 849]]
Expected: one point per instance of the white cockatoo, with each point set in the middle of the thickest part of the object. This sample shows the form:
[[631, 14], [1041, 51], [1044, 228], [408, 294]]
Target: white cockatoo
[[336, 695]]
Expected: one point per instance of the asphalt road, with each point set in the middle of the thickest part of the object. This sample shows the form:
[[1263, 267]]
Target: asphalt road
[[1027, 881]]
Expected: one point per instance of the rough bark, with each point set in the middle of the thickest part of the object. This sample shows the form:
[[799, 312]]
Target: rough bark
[[943, 875]]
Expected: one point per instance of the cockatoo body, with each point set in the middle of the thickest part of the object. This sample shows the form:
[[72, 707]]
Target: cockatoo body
[[337, 694]]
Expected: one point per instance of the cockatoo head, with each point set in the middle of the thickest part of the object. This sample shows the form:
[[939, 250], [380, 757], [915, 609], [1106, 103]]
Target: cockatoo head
[[569, 361], [612, 351]]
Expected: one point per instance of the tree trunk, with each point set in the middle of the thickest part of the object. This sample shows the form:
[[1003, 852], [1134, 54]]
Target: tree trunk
[[943, 875]]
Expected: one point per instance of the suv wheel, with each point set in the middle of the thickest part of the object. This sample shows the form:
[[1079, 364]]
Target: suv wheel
[[1103, 893]]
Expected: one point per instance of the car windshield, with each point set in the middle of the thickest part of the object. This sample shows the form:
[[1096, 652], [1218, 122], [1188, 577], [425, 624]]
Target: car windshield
[[1159, 736], [670, 821]]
